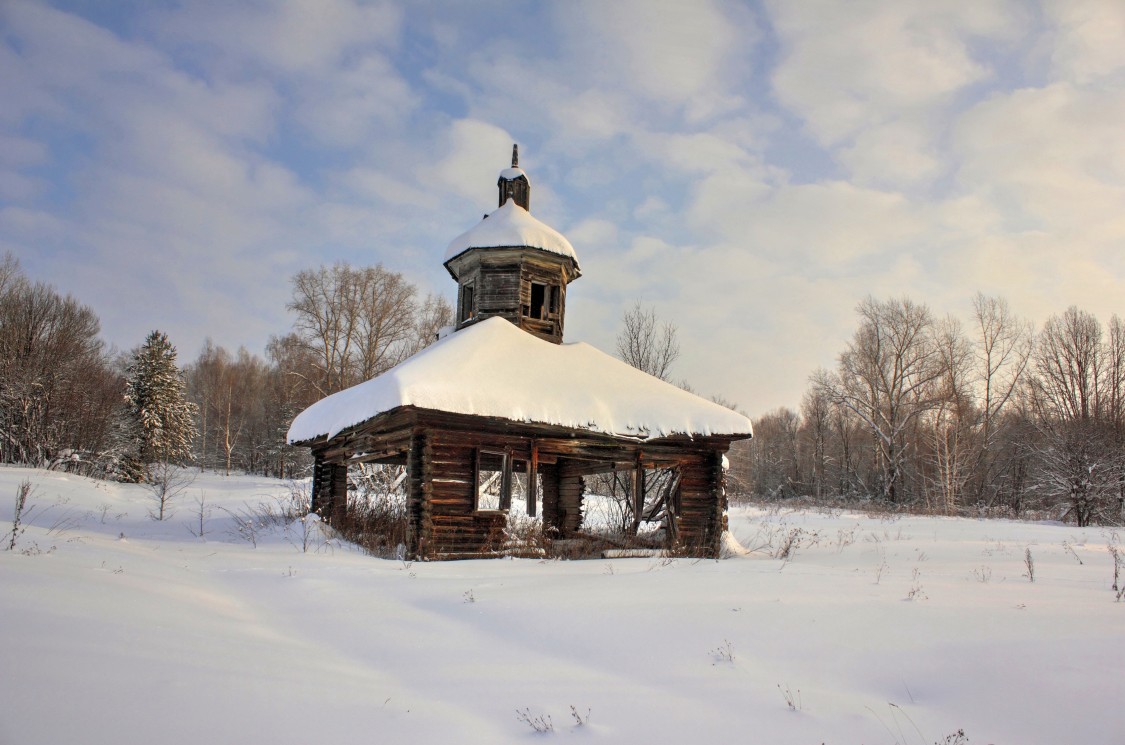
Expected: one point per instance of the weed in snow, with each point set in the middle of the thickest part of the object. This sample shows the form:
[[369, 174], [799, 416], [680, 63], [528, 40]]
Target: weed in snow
[[1070, 550], [1115, 554], [845, 538], [723, 653], [23, 491], [916, 592], [540, 723], [792, 700], [882, 568], [26, 513]]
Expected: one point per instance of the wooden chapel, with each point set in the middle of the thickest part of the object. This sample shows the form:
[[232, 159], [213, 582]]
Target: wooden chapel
[[502, 395]]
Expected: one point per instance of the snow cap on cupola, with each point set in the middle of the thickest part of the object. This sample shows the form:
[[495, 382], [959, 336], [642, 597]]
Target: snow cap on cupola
[[512, 225]]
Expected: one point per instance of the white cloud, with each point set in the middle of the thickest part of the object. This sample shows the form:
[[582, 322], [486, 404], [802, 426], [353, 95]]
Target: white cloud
[[300, 37], [1051, 158], [1089, 38], [1044, 172], [344, 108], [679, 54], [896, 154], [193, 158], [470, 166], [848, 66]]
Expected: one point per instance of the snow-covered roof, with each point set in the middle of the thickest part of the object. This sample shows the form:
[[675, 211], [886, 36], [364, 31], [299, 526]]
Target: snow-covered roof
[[511, 225], [513, 173], [494, 368]]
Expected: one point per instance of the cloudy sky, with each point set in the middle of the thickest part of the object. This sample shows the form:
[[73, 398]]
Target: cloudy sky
[[750, 170]]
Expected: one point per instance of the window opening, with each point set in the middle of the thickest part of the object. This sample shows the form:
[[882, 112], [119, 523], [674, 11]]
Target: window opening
[[467, 309], [494, 480], [538, 300], [554, 305]]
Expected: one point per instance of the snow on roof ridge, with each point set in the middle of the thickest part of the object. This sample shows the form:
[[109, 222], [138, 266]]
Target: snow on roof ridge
[[567, 385], [511, 225]]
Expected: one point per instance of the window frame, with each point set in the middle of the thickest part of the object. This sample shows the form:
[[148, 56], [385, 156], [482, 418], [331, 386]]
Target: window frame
[[505, 479], [468, 309]]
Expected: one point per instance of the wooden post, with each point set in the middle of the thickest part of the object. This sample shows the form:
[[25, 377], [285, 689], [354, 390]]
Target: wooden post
[[552, 509], [570, 488], [318, 496], [338, 504], [638, 492], [506, 481], [533, 479], [418, 522], [476, 479]]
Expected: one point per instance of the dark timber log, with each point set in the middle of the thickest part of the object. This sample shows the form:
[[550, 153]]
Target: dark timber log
[[571, 490], [702, 502], [329, 490], [552, 523], [533, 479]]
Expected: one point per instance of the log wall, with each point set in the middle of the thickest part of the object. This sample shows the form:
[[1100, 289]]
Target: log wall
[[702, 502], [329, 490], [440, 451], [453, 528], [418, 516], [550, 476], [571, 490]]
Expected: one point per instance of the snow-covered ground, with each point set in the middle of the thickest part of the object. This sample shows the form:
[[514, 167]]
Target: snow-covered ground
[[118, 628]]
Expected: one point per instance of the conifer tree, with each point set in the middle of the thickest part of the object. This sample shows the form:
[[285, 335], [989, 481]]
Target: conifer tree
[[162, 419]]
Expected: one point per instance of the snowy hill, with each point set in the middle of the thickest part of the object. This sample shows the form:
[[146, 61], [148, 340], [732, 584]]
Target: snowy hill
[[119, 629]]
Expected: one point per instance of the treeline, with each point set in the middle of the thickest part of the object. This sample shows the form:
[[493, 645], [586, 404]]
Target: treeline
[[923, 412], [351, 324], [68, 401], [61, 389]]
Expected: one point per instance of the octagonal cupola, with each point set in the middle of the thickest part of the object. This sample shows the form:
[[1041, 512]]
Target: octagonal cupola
[[512, 265]]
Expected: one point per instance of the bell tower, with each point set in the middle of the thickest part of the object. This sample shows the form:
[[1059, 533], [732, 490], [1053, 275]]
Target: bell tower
[[512, 265]]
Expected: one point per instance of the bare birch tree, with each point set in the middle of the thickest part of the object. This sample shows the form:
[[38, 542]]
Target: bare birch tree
[[951, 424], [1079, 462], [58, 393], [1002, 348], [356, 323], [887, 378], [647, 344]]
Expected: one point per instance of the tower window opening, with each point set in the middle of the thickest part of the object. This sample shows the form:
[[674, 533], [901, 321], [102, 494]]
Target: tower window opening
[[538, 301], [467, 309]]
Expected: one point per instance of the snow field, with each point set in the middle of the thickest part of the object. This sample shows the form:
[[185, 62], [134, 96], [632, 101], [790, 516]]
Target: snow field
[[123, 629]]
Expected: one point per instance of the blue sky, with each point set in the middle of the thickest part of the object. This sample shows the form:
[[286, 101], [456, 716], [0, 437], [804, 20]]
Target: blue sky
[[751, 170]]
